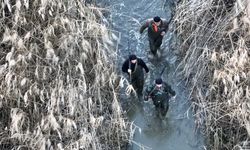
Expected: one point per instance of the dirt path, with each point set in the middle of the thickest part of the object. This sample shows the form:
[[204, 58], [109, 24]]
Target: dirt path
[[177, 132]]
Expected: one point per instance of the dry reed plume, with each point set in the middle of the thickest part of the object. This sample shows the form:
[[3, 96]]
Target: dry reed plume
[[215, 44], [58, 85]]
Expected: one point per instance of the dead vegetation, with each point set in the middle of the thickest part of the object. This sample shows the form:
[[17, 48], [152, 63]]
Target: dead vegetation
[[58, 86], [216, 64]]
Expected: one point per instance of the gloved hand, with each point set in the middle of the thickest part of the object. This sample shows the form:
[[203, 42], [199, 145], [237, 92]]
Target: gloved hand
[[173, 98], [129, 71], [163, 33]]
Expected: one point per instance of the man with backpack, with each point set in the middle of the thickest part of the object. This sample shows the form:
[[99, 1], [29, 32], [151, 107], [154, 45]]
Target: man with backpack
[[160, 93]]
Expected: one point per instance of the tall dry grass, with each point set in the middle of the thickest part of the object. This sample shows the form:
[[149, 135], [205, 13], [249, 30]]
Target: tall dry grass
[[58, 87], [215, 42]]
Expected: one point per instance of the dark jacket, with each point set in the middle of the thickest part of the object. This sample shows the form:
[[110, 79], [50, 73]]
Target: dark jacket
[[151, 33], [128, 65], [164, 93], [137, 74]]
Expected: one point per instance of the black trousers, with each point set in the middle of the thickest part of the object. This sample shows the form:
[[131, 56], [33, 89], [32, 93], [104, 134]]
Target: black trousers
[[161, 106], [137, 84], [155, 44]]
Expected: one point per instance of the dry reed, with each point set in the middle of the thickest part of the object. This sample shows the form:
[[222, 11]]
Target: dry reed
[[215, 62], [58, 85]]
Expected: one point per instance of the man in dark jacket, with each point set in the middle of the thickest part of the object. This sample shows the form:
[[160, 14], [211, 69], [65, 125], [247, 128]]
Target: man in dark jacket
[[134, 67], [160, 93], [157, 28]]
